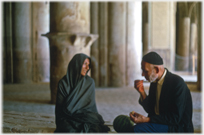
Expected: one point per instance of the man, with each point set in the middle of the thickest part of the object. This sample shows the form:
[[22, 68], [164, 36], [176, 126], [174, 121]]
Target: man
[[169, 103]]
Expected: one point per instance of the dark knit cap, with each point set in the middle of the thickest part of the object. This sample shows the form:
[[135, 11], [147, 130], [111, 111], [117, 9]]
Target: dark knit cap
[[153, 58]]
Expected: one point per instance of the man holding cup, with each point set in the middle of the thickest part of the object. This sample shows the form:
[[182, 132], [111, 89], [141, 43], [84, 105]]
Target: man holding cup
[[169, 102]]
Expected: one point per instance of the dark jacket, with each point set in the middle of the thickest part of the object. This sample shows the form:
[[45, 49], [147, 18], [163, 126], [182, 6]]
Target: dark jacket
[[175, 104]]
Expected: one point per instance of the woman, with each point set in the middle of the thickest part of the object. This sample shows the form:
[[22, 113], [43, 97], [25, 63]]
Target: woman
[[75, 105]]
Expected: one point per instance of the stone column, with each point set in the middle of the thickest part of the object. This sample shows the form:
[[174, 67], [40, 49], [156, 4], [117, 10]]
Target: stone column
[[4, 71], [22, 62], [145, 27], [145, 38], [69, 34], [95, 46], [8, 45], [193, 46], [172, 38], [182, 48], [134, 42], [200, 48], [41, 52], [103, 44], [117, 44]]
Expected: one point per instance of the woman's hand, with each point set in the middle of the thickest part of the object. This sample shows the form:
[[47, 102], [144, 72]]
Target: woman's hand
[[138, 118]]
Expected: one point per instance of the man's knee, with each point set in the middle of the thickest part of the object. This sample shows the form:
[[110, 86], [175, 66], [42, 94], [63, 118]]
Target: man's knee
[[150, 128], [138, 128]]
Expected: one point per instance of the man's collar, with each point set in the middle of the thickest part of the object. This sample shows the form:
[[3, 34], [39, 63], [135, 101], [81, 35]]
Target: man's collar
[[161, 80]]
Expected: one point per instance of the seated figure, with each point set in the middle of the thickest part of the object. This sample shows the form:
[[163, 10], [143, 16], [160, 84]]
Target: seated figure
[[169, 102], [76, 110]]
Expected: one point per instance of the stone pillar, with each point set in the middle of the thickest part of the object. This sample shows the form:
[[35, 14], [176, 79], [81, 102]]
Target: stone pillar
[[193, 46], [4, 71], [76, 13], [145, 27], [69, 34], [41, 56], [8, 45], [95, 46], [172, 38], [117, 43], [134, 42], [145, 38], [22, 62], [103, 44], [200, 48], [182, 48]]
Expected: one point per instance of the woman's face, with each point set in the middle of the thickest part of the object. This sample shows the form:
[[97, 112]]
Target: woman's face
[[85, 67]]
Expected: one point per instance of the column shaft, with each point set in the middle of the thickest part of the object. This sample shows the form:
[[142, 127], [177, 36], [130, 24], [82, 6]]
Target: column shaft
[[8, 47], [193, 47], [145, 27], [22, 62], [103, 44], [95, 46], [200, 48], [41, 55], [182, 48], [134, 45], [145, 38], [117, 43], [70, 17]]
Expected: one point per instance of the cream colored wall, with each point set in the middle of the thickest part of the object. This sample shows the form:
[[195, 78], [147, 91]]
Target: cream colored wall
[[162, 31], [160, 25]]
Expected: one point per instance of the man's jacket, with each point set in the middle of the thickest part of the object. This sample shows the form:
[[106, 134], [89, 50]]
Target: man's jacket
[[175, 104]]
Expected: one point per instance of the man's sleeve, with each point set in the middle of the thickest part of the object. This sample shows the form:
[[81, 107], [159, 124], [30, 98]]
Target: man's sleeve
[[144, 103]]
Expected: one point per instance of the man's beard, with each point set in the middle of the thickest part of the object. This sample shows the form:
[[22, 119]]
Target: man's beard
[[153, 77]]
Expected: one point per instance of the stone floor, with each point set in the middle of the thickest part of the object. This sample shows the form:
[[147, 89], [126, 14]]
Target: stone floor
[[26, 107]]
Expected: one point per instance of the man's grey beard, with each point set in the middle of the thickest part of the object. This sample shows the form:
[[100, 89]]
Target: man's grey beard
[[153, 77]]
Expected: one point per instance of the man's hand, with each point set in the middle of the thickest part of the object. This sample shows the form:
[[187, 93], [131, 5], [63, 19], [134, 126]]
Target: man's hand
[[138, 118], [139, 86]]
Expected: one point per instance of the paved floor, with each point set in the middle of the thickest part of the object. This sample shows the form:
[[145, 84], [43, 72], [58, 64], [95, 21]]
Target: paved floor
[[26, 107]]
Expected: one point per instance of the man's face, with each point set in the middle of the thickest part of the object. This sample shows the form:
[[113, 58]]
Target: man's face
[[148, 71], [85, 67]]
